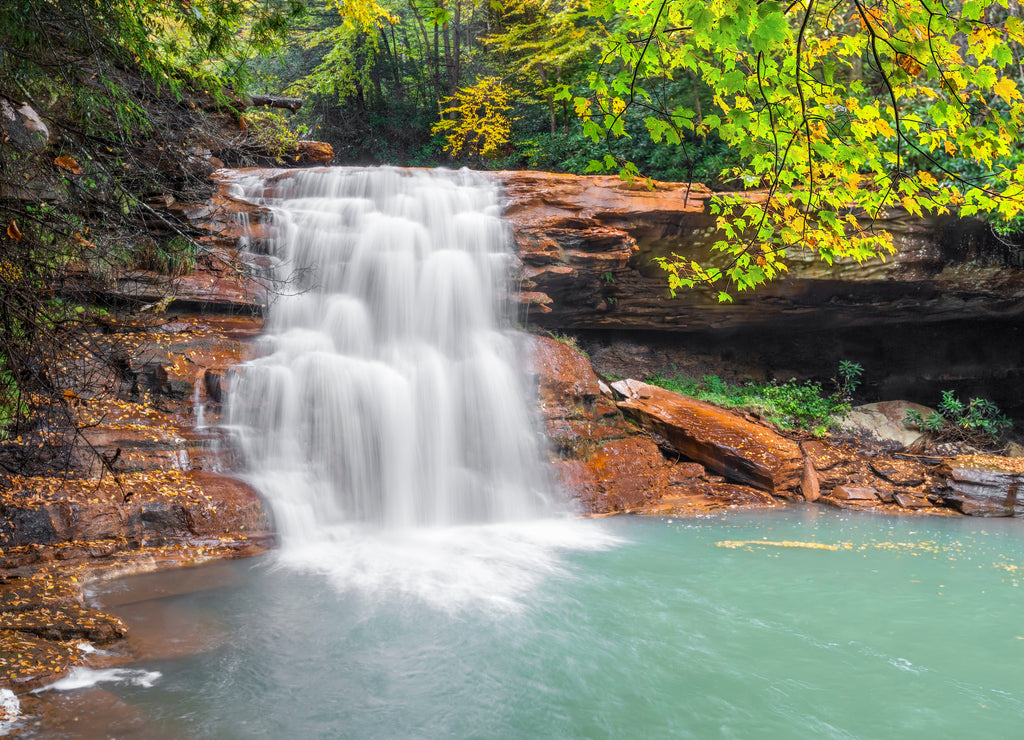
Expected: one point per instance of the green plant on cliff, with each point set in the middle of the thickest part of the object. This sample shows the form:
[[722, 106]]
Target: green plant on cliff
[[115, 94], [847, 380], [569, 341], [978, 421], [789, 405]]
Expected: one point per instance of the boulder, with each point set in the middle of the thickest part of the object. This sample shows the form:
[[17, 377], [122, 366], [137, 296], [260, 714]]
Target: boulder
[[883, 423], [23, 126], [741, 451], [620, 476]]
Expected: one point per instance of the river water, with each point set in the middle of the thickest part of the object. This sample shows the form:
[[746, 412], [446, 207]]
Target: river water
[[908, 628]]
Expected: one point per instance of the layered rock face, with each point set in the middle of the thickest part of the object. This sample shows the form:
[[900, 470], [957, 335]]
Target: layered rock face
[[587, 245], [947, 311]]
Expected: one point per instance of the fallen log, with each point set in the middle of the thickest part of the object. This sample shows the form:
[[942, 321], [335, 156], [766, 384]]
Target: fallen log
[[271, 101], [737, 449]]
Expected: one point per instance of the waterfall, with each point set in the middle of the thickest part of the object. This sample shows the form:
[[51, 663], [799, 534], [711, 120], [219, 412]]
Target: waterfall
[[389, 389]]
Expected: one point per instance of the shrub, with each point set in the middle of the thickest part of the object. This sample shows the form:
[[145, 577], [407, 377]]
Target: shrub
[[978, 422]]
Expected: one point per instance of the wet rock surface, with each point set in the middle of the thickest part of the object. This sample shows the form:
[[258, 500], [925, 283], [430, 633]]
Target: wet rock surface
[[609, 465], [133, 483], [146, 492], [731, 446], [983, 485], [684, 457], [572, 230]]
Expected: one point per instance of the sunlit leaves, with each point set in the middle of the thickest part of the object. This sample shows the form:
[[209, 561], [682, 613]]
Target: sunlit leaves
[[476, 119], [827, 105]]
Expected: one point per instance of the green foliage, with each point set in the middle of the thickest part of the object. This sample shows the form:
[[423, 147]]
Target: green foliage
[[838, 113], [978, 422], [269, 131], [848, 380], [12, 405], [790, 405], [200, 42], [697, 159], [173, 257], [120, 86]]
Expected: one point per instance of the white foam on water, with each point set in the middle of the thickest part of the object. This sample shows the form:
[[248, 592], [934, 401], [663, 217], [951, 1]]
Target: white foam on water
[[10, 709], [84, 678], [489, 567]]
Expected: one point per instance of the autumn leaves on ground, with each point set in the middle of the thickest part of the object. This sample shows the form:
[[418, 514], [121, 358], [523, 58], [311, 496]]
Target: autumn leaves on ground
[[119, 487]]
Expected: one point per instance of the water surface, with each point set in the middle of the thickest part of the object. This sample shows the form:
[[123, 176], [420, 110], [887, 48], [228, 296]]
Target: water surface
[[912, 627]]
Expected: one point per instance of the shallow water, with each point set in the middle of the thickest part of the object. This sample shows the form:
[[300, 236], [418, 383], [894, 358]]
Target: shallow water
[[629, 628]]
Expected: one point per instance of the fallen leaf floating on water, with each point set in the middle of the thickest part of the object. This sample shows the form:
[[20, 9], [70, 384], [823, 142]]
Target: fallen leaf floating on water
[[732, 544], [69, 164]]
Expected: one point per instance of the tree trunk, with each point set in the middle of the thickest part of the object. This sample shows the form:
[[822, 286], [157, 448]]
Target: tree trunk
[[271, 101], [457, 57], [449, 64]]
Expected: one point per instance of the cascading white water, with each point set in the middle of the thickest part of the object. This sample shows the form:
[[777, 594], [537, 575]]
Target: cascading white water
[[389, 388]]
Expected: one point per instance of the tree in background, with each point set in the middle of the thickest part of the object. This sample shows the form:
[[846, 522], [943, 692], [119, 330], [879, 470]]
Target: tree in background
[[475, 121], [375, 74], [545, 44]]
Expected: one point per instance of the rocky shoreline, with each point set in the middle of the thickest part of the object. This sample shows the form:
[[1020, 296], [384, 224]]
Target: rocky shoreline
[[149, 492]]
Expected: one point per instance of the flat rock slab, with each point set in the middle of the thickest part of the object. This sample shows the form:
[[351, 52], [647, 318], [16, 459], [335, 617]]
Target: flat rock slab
[[25, 594], [740, 450], [701, 497], [907, 501], [854, 493], [69, 622], [983, 485], [900, 472]]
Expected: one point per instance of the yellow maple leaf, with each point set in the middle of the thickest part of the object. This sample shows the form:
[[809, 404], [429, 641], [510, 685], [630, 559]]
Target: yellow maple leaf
[[1006, 88]]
